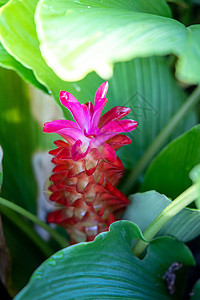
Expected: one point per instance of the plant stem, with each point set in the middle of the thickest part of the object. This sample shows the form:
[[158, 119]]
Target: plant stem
[[160, 141], [59, 238], [169, 212]]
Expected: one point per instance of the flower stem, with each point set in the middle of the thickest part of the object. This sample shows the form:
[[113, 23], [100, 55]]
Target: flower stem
[[59, 238], [160, 141], [169, 212]]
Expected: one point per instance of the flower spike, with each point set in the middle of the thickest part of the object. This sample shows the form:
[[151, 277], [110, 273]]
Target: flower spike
[[87, 168]]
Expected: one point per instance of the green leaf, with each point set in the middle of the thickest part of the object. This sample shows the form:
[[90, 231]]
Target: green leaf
[[19, 139], [26, 249], [106, 268], [195, 177], [168, 173], [144, 208], [196, 291], [2, 2], [19, 38], [7, 61], [1, 172], [20, 136], [147, 86], [77, 37], [187, 66]]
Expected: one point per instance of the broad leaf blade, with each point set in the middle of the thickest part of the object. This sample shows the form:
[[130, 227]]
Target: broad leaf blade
[[1, 172], [19, 38], [147, 86], [145, 207], [122, 31], [79, 37], [106, 268], [168, 173]]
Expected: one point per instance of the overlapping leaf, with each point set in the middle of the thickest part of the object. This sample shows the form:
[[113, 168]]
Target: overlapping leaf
[[148, 88], [7, 61], [107, 269], [19, 138], [77, 37], [19, 38], [144, 208], [168, 173], [1, 173]]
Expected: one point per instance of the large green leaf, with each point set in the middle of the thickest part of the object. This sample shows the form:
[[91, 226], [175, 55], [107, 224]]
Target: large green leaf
[[1, 173], [107, 269], [168, 173], [8, 62], [144, 208], [147, 86], [77, 37], [19, 38]]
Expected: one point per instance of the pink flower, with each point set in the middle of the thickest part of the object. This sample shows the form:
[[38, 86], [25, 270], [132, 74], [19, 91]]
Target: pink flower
[[87, 168]]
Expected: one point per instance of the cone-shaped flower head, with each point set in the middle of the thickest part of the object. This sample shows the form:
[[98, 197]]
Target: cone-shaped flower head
[[87, 168]]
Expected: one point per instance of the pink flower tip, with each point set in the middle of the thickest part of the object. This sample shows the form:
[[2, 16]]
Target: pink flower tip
[[90, 129]]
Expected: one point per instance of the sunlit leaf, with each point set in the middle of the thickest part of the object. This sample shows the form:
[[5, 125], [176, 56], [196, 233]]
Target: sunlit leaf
[[107, 268], [19, 38], [77, 37], [188, 64], [144, 208]]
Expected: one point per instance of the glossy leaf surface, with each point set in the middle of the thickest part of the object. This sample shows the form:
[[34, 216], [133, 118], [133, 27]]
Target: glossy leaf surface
[[94, 35], [106, 268], [144, 207]]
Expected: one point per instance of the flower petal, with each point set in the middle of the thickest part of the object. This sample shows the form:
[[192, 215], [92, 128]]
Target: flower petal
[[97, 112], [118, 141], [116, 113], [66, 129], [114, 128], [72, 104], [55, 126], [118, 126], [77, 152], [107, 152], [101, 92]]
